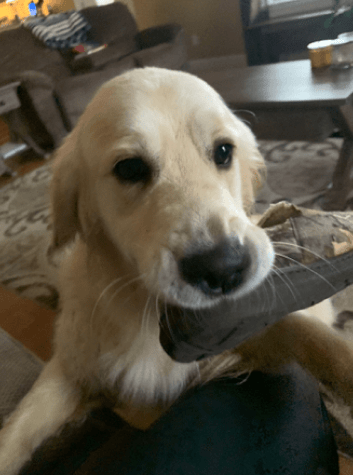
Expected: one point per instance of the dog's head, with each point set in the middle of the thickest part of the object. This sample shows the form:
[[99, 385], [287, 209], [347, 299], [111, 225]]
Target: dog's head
[[167, 172]]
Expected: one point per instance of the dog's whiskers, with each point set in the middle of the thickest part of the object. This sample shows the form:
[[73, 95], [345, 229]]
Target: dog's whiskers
[[114, 282], [271, 301], [306, 267], [170, 328], [285, 279], [145, 318], [140, 277], [106, 290], [248, 122], [124, 302], [157, 308], [281, 243]]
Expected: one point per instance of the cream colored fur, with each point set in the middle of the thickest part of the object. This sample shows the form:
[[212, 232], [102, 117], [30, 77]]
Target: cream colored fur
[[127, 240]]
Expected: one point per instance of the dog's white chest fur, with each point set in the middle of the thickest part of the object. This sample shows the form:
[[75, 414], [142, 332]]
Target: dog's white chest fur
[[145, 372]]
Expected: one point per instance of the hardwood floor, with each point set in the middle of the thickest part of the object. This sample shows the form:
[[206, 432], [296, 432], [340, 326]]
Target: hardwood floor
[[27, 322], [21, 164], [346, 466], [33, 325]]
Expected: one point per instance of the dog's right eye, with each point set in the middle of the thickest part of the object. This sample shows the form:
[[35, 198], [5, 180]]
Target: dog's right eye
[[132, 170], [223, 155]]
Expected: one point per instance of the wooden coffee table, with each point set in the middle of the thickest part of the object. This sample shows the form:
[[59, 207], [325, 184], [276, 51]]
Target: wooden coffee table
[[293, 102]]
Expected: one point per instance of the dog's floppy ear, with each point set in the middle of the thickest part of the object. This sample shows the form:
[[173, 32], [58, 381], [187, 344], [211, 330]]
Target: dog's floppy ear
[[253, 172], [65, 191]]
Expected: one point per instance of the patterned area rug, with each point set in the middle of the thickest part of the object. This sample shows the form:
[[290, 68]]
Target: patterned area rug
[[297, 171], [25, 262]]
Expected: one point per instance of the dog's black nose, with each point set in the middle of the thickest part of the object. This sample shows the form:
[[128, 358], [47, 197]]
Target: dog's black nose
[[216, 271]]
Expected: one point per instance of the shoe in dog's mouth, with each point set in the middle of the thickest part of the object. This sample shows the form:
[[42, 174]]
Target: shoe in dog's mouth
[[193, 334], [188, 334]]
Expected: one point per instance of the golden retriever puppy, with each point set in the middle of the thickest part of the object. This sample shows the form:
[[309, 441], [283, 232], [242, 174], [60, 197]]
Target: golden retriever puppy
[[157, 171]]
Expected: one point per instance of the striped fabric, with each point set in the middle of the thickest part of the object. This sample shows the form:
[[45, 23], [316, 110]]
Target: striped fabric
[[60, 31]]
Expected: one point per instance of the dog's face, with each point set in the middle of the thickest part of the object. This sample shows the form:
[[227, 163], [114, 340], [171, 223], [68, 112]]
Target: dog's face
[[162, 166]]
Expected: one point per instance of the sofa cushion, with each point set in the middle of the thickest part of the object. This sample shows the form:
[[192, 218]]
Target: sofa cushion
[[19, 368], [21, 51], [76, 92], [110, 23], [155, 35], [113, 52]]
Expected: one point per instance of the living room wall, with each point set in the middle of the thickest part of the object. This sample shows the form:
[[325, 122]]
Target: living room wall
[[213, 27], [20, 8]]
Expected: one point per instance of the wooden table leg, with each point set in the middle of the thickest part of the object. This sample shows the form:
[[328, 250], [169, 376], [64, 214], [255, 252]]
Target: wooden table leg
[[4, 169], [336, 197]]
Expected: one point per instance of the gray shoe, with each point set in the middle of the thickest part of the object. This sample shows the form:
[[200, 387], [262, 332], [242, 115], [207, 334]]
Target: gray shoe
[[314, 261]]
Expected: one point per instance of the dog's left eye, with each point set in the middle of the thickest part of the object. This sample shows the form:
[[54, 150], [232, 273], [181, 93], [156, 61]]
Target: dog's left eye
[[132, 170], [223, 155]]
